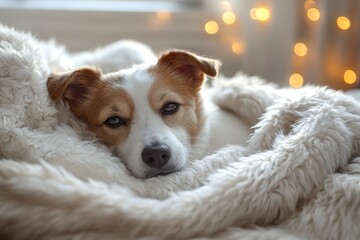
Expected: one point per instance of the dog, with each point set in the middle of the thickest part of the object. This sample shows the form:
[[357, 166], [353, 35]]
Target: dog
[[154, 116]]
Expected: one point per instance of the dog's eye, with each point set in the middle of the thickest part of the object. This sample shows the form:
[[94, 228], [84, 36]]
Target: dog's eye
[[169, 108], [115, 122]]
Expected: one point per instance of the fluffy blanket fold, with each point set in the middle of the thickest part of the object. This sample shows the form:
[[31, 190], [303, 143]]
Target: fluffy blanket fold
[[299, 178]]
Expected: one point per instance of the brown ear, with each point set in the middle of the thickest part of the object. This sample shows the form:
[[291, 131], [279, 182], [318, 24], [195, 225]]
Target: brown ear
[[190, 66], [73, 86]]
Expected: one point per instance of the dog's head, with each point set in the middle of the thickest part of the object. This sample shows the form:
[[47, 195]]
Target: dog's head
[[150, 115]]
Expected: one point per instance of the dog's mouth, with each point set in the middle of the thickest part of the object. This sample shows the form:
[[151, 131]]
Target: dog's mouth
[[157, 172]]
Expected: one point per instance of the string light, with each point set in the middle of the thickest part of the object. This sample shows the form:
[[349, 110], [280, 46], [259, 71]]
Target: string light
[[229, 17], [350, 76], [262, 14], [296, 80], [238, 47], [300, 49], [343, 23], [211, 27], [313, 14]]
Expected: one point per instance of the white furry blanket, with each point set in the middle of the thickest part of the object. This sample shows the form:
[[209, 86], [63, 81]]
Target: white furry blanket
[[298, 178]]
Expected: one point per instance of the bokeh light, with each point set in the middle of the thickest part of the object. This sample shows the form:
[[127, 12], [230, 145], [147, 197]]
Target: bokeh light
[[300, 49], [309, 4], [163, 15], [313, 14], [296, 80], [253, 13], [343, 23], [350, 76], [262, 14], [225, 5], [238, 47], [229, 17], [211, 27]]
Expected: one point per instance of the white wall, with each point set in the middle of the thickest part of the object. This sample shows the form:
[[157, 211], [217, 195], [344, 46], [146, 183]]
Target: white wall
[[79, 30], [268, 46]]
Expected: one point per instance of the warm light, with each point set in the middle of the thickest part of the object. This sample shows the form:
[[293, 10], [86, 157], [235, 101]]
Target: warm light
[[238, 47], [296, 80], [262, 14], [226, 5], [163, 15], [309, 4], [349, 77], [229, 17], [300, 49], [343, 23], [211, 27], [313, 14], [253, 13]]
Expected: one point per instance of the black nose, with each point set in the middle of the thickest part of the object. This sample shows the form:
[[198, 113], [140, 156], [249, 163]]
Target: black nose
[[156, 155]]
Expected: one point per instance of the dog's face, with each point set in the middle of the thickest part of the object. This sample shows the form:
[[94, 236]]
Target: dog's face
[[149, 115]]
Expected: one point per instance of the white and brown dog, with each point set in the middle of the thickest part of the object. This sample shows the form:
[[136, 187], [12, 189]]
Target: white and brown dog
[[153, 116]]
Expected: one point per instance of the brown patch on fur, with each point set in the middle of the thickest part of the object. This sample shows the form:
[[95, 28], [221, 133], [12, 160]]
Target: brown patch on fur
[[189, 66], [178, 78], [73, 86], [93, 98]]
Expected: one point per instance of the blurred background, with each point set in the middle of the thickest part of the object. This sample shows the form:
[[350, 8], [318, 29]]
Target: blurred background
[[292, 42]]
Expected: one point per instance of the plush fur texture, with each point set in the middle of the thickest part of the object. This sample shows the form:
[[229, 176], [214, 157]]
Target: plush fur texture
[[299, 178]]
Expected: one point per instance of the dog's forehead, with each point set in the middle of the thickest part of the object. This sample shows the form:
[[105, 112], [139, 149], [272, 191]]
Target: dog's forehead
[[137, 72], [137, 79]]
